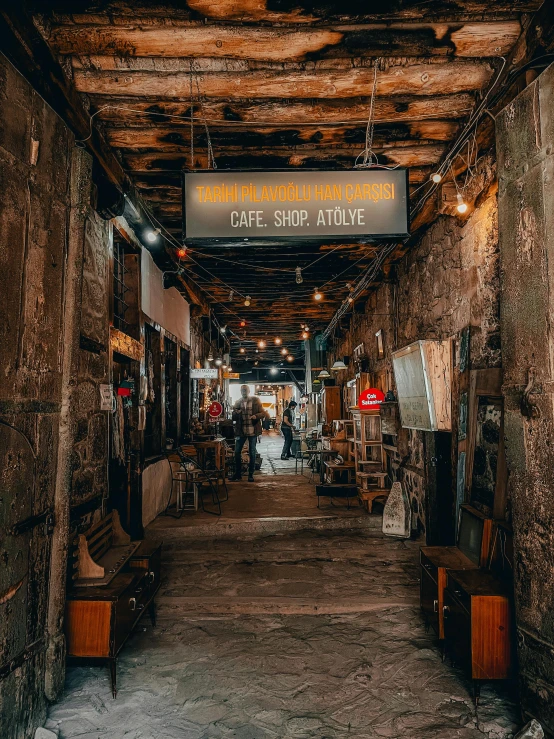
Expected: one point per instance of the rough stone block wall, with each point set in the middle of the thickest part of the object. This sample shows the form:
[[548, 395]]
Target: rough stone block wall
[[53, 438], [448, 281], [525, 145]]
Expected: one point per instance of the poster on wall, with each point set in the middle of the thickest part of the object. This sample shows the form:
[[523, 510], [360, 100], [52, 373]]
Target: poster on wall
[[274, 205]]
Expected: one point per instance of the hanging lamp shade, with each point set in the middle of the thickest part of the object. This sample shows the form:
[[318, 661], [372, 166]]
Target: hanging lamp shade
[[324, 374], [339, 365]]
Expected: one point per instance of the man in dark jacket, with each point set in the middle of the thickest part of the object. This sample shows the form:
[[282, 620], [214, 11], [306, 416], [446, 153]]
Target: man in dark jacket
[[287, 427], [247, 414]]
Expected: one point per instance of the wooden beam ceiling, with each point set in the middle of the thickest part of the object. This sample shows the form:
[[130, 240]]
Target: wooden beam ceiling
[[281, 84]]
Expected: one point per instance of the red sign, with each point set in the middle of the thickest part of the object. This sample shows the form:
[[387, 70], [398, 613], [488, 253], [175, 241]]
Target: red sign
[[215, 410], [371, 399]]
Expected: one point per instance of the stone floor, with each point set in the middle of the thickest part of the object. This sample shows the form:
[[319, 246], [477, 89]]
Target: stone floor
[[294, 633]]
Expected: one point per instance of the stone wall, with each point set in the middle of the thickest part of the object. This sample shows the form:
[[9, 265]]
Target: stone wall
[[53, 442], [525, 144], [448, 281]]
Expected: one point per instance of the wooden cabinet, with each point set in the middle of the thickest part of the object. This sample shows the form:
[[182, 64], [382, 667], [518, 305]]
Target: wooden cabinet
[[478, 625], [330, 404], [435, 561], [98, 620]]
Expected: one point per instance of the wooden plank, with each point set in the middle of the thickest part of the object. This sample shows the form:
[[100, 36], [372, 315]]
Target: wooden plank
[[401, 156], [263, 43], [131, 112], [167, 138], [413, 79]]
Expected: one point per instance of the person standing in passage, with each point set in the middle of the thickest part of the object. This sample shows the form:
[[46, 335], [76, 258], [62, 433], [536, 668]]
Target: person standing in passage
[[247, 414], [287, 427]]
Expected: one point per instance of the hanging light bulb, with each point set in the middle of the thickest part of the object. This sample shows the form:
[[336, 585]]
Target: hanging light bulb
[[219, 361], [242, 350], [290, 358], [242, 324], [182, 252], [210, 356], [223, 329], [261, 344], [278, 340], [461, 207], [152, 234], [350, 299], [229, 368], [224, 366], [284, 351], [317, 295], [299, 278], [273, 370], [305, 335], [247, 300], [436, 177], [231, 294]]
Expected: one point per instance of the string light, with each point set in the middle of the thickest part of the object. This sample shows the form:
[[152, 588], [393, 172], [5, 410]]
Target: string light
[[273, 370], [242, 350], [242, 324], [299, 278], [436, 177], [283, 351], [182, 252], [219, 361], [278, 340], [247, 300], [317, 295], [461, 207], [290, 358], [210, 356], [305, 335], [152, 234], [223, 329], [261, 344]]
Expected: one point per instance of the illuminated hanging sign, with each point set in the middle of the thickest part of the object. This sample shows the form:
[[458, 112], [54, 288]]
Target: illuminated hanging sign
[[361, 204], [210, 373]]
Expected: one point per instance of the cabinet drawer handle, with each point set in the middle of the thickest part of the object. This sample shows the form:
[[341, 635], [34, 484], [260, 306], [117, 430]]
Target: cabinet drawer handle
[[435, 606]]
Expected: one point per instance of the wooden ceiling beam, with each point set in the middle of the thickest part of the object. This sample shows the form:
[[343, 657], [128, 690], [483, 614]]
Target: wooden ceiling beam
[[165, 138], [128, 112], [404, 156], [263, 43], [411, 79]]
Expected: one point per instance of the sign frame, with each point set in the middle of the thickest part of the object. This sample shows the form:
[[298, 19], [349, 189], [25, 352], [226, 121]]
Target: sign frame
[[204, 373], [260, 241]]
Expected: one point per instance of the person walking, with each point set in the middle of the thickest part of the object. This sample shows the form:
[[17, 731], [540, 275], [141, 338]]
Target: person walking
[[247, 414], [287, 427]]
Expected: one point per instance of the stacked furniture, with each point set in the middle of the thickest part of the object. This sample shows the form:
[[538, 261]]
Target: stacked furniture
[[114, 582], [368, 454]]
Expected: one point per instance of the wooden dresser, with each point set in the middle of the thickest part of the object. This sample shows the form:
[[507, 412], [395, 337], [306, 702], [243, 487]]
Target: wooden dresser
[[100, 618], [435, 561], [478, 625]]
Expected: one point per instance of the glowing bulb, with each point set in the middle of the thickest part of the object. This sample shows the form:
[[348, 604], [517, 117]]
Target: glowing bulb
[[219, 361], [350, 299], [317, 295], [152, 235], [229, 368], [299, 278], [223, 329], [283, 351], [242, 350], [224, 366], [461, 207], [290, 358], [273, 370], [261, 344], [242, 324], [210, 356], [278, 340], [436, 177], [182, 252], [305, 335], [247, 300]]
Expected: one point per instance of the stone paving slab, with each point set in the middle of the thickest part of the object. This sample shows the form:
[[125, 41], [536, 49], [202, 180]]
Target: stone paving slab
[[270, 668]]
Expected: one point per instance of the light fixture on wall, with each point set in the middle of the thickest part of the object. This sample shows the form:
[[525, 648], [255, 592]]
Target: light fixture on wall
[[461, 207], [338, 365], [152, 234]]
